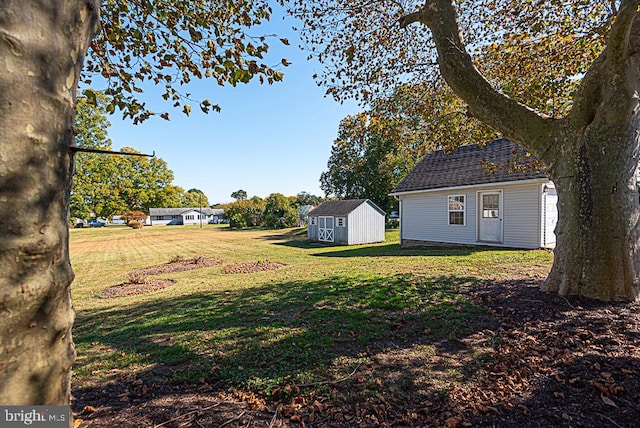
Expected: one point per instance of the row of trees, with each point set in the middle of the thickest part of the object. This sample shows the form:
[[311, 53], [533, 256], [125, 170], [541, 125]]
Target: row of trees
[[276, 210], [106, 185]]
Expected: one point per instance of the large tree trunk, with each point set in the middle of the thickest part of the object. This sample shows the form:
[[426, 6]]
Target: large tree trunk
[[594, 165], [42, 48], [592, 154], [597, 247]]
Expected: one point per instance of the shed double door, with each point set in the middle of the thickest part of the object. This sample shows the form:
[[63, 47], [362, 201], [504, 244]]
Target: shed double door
[[325, 229]]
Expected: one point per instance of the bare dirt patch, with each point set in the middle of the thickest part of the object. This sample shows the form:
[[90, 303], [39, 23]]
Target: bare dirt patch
[[140, 283], [251, 267], [178, 264], [133, 288]]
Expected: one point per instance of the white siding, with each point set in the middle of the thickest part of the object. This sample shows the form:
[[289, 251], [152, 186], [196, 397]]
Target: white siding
[[164, 220], [196, 217], [521, 216], [365, 225], [424, 216]]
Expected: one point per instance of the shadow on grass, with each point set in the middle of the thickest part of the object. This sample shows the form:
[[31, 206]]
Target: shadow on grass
[[397, 250], [408, 339], [264, 337], [383, 249]]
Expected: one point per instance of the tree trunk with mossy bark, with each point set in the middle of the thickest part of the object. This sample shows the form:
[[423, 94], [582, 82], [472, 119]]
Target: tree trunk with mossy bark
[[591, 154], [42, 48]]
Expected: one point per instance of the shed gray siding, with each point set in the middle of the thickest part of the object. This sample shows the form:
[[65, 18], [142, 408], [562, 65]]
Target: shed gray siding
[[341, 233], [362, 222], [424, 215], [312, 229]]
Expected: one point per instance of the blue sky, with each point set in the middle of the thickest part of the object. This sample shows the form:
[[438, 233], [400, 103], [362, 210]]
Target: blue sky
[[267, 139]]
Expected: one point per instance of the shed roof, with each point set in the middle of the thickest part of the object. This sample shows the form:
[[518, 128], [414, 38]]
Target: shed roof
[[180, 211], [466, 166], [342, 207]]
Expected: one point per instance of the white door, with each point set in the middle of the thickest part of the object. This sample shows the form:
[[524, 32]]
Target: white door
[[490, 223], [325, 229]]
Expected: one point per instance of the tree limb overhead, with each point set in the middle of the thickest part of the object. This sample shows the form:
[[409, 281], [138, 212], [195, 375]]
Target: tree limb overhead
[[522, 123]]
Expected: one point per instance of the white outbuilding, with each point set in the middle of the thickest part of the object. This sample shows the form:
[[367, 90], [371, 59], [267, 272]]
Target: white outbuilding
[[453, 198], [346, 222]]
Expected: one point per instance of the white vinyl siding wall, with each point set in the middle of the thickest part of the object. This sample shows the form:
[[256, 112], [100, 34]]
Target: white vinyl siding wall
[[425, 216], [365, 225], [521, 216], [549, 217]]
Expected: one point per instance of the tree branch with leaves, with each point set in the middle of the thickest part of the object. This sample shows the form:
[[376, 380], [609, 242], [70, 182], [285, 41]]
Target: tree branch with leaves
[[560, 78]]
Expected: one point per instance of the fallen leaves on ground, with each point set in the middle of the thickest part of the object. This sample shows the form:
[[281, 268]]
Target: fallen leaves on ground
[[251, 267], [543, 360]]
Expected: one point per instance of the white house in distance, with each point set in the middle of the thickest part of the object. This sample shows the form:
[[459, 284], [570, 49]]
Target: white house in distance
[[452, 198], [173, 216], [346, 222]]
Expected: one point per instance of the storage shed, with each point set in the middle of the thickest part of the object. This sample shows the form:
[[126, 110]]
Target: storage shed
[[347, 222], [453, 198]]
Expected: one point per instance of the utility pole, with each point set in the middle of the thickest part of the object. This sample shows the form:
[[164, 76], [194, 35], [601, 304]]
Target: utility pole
[[200, 210]]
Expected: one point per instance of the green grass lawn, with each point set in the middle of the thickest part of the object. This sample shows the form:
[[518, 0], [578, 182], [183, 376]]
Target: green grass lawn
[[310, 322]]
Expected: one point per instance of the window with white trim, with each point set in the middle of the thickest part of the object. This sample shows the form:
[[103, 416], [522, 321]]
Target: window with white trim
[[456, 207], [313, 221], [340, 221], [189, 217]]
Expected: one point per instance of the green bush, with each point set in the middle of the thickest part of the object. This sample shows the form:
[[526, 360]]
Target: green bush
[[237, 220]]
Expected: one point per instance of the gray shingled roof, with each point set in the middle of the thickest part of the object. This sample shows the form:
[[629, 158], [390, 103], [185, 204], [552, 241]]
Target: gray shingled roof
[[465, 167], [180, 211], [343, 207]]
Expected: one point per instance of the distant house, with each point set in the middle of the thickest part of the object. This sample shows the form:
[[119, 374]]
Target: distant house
[[117, 219], [452, 198], [346, 222], [175, 216], [303, 214]]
